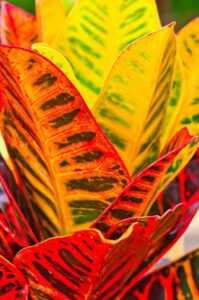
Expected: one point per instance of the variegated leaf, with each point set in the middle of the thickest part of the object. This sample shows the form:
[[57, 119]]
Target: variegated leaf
[[188, 115], [175, 101], [137, 198], [178, 280], [13, 285], [58, 59], [18, 197], [88, 266], [133, 102], [95, 32], [184, 188], [18, 27], [70, 171], [15, 232]]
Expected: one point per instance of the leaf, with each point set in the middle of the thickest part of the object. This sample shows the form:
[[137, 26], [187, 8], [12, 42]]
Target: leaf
[[95, 32], [87, 266], [178, 280], [184, 188], [133, 102], [188, 48], [48, 13], [15, 232], [175, 100], [70, 171], [68, 5], [12, 283], [18, 27], [136, 199], [19, 198], [58, 59]]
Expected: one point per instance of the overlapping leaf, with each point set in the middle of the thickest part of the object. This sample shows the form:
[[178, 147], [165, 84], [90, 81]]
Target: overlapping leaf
[[87, 266], [69, 170], [188, 114], [136, 199], [184, 188], [18, 27], [178, 280], [12, 283], [58, 59], [18, 196], [133, 102], [175, 102], [94, 33], [15, 232]]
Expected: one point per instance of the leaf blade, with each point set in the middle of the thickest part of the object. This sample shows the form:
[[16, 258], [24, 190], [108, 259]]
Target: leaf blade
[[72, 162], [87, 41], [12, 283], [18, 27], [138, 197], [127, 258], [133, 102], [175, 280]]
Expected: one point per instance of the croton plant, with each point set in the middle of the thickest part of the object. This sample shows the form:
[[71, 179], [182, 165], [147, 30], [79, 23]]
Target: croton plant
[[95, 100]]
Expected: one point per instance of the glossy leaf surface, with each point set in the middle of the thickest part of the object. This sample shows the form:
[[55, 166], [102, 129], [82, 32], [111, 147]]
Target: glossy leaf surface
[[133, 102], [12, 283], [18, 27], [95, 32], [87, 266], [136, 199], [69, 169], [178, 280]]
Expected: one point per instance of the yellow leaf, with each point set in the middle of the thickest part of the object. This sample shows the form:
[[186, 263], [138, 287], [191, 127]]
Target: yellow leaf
[[188, 113], [51, 16], [95, 32], [175, 101], [133, 101], [58, 59]]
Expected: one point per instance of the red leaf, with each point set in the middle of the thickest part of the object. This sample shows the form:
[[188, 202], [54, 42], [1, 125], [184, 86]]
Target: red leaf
[[18, 196], [18, 27], [178, 280], [15, 232], [85, 265], [136, 199], [12, 283]]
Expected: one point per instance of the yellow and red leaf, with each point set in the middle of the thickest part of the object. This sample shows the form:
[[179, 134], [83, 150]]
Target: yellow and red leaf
[[18, 27], [137, 198], [70, 171], [13, 285], [175, 281], [85, 265]]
